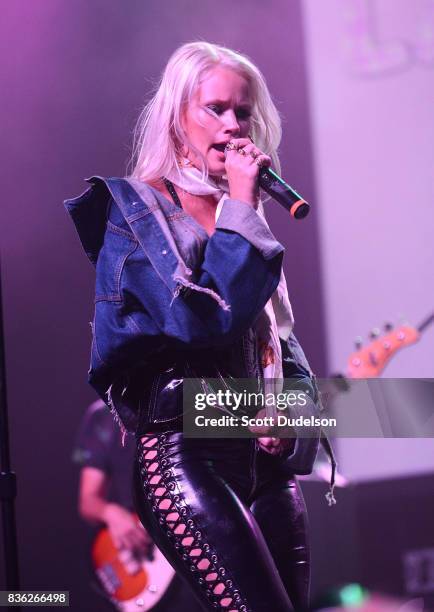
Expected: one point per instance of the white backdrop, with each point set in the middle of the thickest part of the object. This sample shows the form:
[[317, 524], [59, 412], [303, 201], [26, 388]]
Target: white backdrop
[[371, 81]]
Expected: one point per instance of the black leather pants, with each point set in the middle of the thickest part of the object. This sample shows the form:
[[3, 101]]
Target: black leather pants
[[228, 519]]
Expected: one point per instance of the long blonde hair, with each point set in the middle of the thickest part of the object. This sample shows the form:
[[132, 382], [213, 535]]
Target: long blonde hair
[[159, 128]]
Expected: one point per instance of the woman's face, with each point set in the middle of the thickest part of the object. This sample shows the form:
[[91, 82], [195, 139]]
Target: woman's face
[[219, 110]]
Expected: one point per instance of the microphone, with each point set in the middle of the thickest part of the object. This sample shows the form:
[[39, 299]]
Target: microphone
[[279, 190], [283, 193]]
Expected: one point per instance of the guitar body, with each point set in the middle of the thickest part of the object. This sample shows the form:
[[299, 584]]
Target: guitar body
[[133, 583]]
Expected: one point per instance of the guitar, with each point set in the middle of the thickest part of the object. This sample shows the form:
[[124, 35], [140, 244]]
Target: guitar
[[370, 361], [132, 582]]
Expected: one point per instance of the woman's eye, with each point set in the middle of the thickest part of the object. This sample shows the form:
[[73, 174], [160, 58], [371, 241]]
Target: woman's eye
[[243, 113], [214, 108]]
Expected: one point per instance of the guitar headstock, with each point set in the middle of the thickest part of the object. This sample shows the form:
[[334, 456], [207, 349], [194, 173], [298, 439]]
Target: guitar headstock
[[369, 361]]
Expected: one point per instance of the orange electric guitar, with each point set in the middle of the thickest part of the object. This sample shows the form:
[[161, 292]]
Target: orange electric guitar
[[131, 582], [370, 361]]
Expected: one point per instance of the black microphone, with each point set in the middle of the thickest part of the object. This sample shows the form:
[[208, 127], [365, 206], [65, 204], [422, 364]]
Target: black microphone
[[283, 193]]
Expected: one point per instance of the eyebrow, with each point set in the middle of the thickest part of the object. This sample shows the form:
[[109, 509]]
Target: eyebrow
[[224, 102]]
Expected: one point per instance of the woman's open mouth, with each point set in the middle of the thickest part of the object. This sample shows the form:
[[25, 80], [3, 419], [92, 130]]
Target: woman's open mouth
[[220, 146]]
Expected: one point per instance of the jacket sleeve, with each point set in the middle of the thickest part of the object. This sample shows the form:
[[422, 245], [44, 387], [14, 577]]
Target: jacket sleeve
[[241, 264], [138, 313]]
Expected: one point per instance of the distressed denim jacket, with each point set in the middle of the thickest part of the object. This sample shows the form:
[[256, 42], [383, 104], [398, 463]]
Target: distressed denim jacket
[[145, 306]]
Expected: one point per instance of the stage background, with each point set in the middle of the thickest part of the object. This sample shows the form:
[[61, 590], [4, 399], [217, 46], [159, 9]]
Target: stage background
[[370, 66]]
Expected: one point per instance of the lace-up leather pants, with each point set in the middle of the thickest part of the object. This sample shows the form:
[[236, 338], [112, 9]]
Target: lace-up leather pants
[[228, 518]]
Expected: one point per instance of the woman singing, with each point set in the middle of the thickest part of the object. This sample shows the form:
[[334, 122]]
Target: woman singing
[[189, 283]]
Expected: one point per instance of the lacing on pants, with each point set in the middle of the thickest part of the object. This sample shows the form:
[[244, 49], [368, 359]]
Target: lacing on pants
[[176, 519]]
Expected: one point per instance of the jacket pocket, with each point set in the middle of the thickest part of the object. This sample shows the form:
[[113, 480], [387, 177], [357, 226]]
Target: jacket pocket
[[118, 246]]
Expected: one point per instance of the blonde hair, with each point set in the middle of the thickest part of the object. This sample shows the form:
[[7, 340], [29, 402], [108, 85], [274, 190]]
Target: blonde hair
[[159, 128]]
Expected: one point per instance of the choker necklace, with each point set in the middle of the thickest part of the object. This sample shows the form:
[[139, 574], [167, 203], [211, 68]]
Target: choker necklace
[[171, 189]]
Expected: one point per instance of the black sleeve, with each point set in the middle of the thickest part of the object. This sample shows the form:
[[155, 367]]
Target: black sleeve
[[94, 440]]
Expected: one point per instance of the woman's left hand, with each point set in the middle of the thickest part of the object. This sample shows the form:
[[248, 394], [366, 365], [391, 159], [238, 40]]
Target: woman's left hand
[[276, 446]]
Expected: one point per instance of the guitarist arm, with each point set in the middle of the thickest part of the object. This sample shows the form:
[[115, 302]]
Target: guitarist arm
[[93, 507]]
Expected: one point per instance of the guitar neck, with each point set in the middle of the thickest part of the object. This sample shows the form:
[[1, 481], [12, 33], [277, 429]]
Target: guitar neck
[[426, 323]]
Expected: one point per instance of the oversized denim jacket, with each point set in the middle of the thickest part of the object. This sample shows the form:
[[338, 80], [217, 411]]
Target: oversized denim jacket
[[141, 308]]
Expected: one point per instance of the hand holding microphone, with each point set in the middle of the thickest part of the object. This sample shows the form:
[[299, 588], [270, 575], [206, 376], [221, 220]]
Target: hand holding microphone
[[243, 163], [247, 166]]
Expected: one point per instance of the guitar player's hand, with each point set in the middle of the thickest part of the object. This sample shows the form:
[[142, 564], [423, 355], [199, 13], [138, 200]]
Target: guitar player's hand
[[125, 530]]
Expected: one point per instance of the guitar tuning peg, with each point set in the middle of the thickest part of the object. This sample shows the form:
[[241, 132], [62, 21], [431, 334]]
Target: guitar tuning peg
[[388, 326], [375, 332], [358, 341], [402, 320]]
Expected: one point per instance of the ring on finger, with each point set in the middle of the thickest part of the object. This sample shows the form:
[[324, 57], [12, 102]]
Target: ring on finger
[[260, 162], [231, 146], [242, 152]]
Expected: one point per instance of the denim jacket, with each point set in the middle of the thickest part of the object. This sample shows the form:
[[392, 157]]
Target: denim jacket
[[143, 313]]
